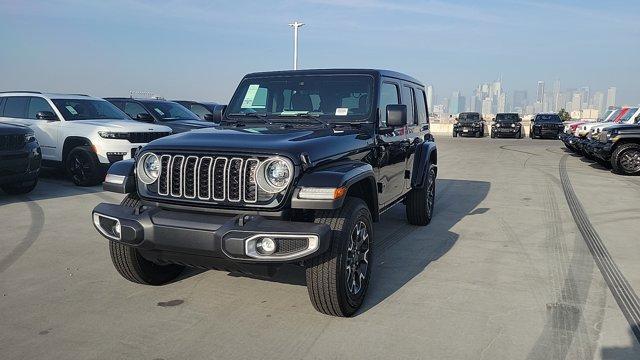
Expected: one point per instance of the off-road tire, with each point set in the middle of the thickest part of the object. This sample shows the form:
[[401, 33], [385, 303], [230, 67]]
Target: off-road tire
[[493, 135], [19, 188], [455, 134], [135, 268], [420, 202], [478, 134], [92, 173], [326, 273], [617, 157]]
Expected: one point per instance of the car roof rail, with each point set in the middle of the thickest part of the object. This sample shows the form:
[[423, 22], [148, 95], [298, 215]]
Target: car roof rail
[[21, 91]]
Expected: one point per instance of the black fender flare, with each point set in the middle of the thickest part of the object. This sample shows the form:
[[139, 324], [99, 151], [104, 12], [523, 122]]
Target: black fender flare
[[121, 177], [340, 174], [72, 142], [425, 156]]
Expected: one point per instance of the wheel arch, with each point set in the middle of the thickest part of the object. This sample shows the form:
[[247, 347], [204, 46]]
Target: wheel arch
[[72, 142]]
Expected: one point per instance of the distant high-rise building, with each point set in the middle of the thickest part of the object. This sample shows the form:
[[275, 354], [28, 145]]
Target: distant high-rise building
[[598, 102], [475, 105], [430, 99], [611, 96], [502, 103], [556, 95], [576, 101], [520, 98], [540, 92], [487, 106], [457, 103], [585, 95]]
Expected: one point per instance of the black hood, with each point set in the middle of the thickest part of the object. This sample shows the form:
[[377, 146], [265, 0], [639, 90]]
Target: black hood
[[179, 126], [624, 127], [11, 129], [319, 143]]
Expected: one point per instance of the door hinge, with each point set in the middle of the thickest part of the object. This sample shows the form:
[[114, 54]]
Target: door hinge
[[407, 174], [380, 187]]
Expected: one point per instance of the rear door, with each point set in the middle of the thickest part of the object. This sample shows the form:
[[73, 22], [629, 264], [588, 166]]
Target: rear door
[[417, 130], [46, 130]]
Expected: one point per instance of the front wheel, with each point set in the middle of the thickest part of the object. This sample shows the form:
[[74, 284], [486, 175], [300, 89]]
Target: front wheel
[[455, 134], [20, 188], [135, 268], [625, 159], [337, 280], [493, 135], [83, 167], [420, 202]]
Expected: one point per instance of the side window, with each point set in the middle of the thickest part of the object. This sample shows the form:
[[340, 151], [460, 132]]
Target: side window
[[199, 110], [118, 104], [36, 105], [421, 106], [407, 99], [16, 107], [1, 105], [388, 96], [133, 109]]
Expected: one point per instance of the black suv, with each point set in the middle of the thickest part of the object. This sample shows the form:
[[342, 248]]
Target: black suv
[[619, 145], [546, 125], [161, 112], [302, 165], [507, 125], [469, 123], [205, 110], [20, 159]]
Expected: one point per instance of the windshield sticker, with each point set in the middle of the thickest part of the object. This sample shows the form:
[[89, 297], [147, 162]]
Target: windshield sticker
[[250, 95], [342, 111], [71, 110], [159, 111]]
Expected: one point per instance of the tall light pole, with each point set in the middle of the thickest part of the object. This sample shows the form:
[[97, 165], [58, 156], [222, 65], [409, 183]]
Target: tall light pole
[[295, 27]]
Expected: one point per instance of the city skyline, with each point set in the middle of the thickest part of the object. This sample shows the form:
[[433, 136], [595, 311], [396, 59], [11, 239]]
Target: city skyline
[[201, 50]]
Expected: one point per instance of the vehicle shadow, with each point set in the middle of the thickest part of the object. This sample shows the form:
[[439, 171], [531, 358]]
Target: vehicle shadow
[[402, 251], [620, 353], [52, 184]]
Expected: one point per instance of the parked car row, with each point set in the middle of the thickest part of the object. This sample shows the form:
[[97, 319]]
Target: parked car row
[[81, 134], [508, 125], [613, 141]]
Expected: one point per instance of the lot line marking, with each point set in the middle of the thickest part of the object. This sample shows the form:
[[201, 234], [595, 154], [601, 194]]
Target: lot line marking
[[37, 223], [620, 288]]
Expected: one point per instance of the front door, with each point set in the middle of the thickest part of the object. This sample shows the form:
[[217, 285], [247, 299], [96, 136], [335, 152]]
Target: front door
[[46, 130]]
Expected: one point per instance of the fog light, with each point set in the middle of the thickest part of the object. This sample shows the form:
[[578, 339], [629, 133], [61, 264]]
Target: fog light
[[266, 246]]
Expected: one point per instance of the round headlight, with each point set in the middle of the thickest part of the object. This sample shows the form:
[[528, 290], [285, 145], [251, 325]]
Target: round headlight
[[148, 168], [274, 175], [513, 125]]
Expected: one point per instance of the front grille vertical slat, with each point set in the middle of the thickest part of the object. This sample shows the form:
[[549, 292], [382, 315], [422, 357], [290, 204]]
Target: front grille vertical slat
[[12, 142], [209, 178]]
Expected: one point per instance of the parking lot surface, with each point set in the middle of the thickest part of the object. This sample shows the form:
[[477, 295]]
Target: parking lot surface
[[506, 270]]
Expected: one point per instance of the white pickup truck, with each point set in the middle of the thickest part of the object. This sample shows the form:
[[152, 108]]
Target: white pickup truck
[[83, 134]]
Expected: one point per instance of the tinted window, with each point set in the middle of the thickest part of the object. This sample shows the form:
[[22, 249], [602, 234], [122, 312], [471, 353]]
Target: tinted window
[[421, 106], [36, 105], [628, 115], [133, 109], [407, 99], [468, 117], [168, 111], [16, 107], [200, 110], [388, 96], [548, 118], [87, 109], [508, 117]]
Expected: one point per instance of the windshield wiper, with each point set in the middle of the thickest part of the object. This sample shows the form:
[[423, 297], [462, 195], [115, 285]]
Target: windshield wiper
[[261, 117], [315, 117]]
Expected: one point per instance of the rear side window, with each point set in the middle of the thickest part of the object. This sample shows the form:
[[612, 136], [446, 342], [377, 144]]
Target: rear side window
[[16, 107], [388, 96], [421, 106], [407, 99], [199, 110], [36, 105]]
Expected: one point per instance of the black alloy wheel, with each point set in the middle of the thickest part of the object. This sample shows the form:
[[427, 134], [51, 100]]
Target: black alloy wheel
[[357, 260]]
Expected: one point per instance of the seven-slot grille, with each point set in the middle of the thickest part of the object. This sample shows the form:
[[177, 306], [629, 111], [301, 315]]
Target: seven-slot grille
[[145, 137], [12, 142], [209, 178]]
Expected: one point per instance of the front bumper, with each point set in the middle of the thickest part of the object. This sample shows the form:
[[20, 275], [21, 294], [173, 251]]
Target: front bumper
[[505, 132], [546, 133], [468, 130], [20, 166], [601, 150], [177, 237], [116, 150]]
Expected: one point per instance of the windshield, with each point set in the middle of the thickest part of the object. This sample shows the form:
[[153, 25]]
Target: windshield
[[333, 98], [606, 115], [626, 117], [508, 117], [551, 118], [88, 109], [168, 111], [468, 117]]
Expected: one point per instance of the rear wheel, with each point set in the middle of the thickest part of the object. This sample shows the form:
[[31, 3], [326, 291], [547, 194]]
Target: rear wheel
[[420, 202], [625, 159], [337, 280], [83, 167], [135, 268]]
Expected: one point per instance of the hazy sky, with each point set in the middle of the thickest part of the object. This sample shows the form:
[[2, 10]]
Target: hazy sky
[[200, 49]]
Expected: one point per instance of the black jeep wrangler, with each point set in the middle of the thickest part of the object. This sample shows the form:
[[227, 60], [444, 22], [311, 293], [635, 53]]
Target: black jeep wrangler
[[507, 125], [20, 158], [469, 123], [301, 166], [619, 145]]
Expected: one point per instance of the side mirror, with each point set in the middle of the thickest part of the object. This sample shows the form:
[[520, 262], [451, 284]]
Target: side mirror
[[46, 115], [217, 114], [208, 117], [396, 115], [144, 117]]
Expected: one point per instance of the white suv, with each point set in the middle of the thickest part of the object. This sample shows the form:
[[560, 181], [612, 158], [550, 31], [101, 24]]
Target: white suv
[[81, 133]]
